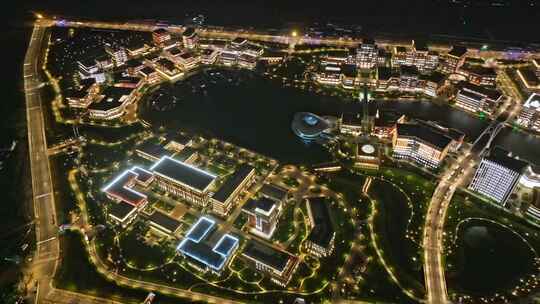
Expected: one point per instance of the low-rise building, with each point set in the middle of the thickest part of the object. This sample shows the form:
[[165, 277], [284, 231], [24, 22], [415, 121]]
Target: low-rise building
[[274, 192], [111, 103], [163, 223], [497, 175], [190, 39], [453, 59], [118, 54], [475, 98], [385, 122], [226, 197], [188, 61], [479, 75], [207, 249], [86, 93], [529, 117], [433, 83], [168, 69], [408, 78], [209, 56], [320, 240], [351, 123], [420, 144], [160, 36], [276, 263], [122, 213], [529, 78], [150, 75], [183, 180], [121, 189], [367, 54]]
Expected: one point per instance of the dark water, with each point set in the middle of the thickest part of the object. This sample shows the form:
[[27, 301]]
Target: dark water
[[485, 259], [447, 116], [524, 145], [249, 111], [256, 113], [412, 17]]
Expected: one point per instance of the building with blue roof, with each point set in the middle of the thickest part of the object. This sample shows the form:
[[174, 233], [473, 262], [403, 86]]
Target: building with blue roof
[[204, 252]]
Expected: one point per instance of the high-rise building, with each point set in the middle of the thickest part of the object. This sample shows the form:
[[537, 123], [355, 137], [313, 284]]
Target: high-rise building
[[190, 38], [420, 144], [366, 54], [497, 175], [529, 117]]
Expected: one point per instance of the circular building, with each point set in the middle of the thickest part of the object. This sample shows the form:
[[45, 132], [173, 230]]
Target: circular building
[[309, 126]]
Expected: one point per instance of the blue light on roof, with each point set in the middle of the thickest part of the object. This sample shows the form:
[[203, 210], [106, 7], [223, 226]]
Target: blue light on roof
[[310, 120], [192, 229]]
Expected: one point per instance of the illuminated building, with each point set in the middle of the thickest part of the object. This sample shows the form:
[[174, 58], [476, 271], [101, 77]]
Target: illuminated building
[[433, 83], [384, 124], [351, 123], [177, 142], [497, 175], [453, 59], [118, 54], [384, 77], [228, 194], [163, 223], [529, 78], [151, 151], [328, 77], [209, 56], [310, 127], [238, 42], [457, 136], [368, 157], [183, 180], [247, 61], [320, 240], [137, 48], [150, 75], [89, 68], [86, 93], [112, 103], [160, 36], [348, 76], [207, 249], [366, 54], [253, 50], [168, 69], [420, 144], [228, 57], [133, 66], [190, 38], [529, 117], [421, 57], [120, 190], [279, 265], [104, 62], [274, 192], [188, 61], [475, 98], [384, 58], [408, 78], [479, 75], [400, 56], [122, 213], [263, 215], [536, 66]]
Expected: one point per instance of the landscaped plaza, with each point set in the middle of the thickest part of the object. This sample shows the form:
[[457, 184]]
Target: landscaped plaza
[[206, 168]]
